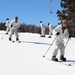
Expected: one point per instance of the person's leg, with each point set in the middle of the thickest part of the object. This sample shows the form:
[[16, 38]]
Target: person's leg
[[62, 52], [56, 48], [11, 33], [7, 30], [43, 32], [49, 34], [62, 49], [16, 34]]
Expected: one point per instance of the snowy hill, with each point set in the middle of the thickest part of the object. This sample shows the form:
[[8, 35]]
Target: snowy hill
[[26, 58]]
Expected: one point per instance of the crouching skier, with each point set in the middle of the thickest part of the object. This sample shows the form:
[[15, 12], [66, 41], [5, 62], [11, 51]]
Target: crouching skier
[[14, 26], [60, 32]]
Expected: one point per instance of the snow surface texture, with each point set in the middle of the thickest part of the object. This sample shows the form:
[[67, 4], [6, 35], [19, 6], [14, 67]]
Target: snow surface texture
[[26, 58]]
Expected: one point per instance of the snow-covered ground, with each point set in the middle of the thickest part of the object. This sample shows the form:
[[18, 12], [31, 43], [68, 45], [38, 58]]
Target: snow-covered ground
[[26, 58]]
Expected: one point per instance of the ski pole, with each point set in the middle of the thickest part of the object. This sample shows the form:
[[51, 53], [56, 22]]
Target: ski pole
[[49, 47], [3, 36], [67, 42]]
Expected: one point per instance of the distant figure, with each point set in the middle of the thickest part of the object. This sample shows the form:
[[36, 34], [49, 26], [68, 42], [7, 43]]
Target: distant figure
[[42, 29], [60, 32], [50, 29], [14, 26], [7, 25]]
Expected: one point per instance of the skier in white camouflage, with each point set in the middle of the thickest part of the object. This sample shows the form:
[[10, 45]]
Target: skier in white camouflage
[[50, 29], [42, 29], [60, 32], [14, 26], [7, 25]]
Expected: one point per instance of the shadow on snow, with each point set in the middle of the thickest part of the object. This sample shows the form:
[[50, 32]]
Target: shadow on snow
[[36, 42]]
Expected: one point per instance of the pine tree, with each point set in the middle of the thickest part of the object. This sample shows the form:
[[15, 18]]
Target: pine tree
[[68, 11]]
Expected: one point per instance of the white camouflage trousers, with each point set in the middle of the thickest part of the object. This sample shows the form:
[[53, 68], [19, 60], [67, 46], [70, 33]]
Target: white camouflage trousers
[[50, 32], [43, 32], [13, 31], [60, 47]]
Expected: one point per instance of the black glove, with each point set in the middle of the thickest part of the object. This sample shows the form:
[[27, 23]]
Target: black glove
[[11, 25], [57, 33], [69, 36]]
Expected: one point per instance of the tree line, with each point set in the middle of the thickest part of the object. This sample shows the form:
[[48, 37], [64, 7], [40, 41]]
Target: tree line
[[27, 28]]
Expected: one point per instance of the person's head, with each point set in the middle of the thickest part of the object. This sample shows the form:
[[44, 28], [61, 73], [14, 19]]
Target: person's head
[[64, 23], [16, 18], [48, 23], [7, 19], [40, 21]]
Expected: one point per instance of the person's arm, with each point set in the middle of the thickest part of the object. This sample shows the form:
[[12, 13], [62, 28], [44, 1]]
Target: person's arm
[[66, 34], [56, 30]]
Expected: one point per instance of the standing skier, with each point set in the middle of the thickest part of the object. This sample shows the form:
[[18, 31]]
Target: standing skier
[[50, 30], [42, 29], [60, 32], [14, 26], [7, 25]]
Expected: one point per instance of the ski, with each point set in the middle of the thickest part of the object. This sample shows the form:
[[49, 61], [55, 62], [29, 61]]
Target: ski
[[16, 41], [67, 62]]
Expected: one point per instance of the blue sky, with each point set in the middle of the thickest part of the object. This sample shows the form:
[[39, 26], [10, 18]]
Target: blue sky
[[30, 11]]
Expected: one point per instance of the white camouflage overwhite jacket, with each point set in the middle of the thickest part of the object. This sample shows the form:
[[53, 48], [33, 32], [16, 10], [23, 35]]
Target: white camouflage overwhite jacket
[[15, 25], [61, 36]]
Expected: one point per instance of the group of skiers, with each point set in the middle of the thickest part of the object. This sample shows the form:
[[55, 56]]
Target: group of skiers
[[42, 26], [12, 27], [58, 34]]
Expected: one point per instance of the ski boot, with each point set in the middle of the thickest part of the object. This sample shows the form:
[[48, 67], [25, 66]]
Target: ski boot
[[6, 33], [9, 39], [62, 58], [49, 37], [17, 39], [54, 58]]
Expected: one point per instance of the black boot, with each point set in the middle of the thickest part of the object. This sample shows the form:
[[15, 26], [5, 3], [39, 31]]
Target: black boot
[[6, 33], [9, 39], [17, 39], [54, 58], [62, 58], [49, 37], [42, 35]]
